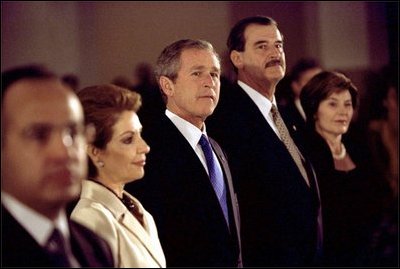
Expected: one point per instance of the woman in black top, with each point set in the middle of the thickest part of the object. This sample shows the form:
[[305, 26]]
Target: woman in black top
[[345, 177]]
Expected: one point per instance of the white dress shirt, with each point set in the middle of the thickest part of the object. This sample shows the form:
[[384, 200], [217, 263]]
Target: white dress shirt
[[192, 135], [262, 102]]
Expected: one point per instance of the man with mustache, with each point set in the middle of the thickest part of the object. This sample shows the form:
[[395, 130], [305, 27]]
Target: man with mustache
[[43, 161], [277, 190]]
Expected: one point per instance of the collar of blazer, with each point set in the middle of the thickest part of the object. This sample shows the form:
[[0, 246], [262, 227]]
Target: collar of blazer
[[112, 204]]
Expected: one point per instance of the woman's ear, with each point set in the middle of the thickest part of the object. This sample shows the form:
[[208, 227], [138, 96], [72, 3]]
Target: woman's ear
[[93, 153]]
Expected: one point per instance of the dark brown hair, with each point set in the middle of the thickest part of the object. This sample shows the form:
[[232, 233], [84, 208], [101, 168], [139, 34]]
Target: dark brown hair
[[236, 40], [33, 71], [320, 87]]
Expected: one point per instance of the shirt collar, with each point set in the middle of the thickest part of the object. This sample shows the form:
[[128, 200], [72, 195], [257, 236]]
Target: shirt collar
[[39, 227], [262, 102], [188, 130]]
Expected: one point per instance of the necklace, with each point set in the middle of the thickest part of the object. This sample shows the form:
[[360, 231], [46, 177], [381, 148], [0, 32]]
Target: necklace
[[342, 153]]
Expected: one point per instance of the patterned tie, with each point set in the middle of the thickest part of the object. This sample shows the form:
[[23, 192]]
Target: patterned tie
[[287, 140], [216, 175], [56, 248]]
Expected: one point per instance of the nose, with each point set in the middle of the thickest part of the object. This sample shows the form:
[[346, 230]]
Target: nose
[[345, 110], [144, 147], [275, 53], [209, 81]]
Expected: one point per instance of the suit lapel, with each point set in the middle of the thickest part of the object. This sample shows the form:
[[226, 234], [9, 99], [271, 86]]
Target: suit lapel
[[18, 240], [124, 217], [140, 232], [232, 194]]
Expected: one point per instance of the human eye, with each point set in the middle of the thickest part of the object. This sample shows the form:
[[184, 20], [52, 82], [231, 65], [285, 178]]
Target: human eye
[[348, 104], [262, 46], [72, 131], [215, 74], [196, 73], [279, 45], [332, 104], [38, 133], [76, 132], [128, 140]]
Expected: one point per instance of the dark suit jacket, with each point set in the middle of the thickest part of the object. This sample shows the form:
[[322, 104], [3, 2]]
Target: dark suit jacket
[[20, 249], [292, 117], [177, 191], [278, 210]]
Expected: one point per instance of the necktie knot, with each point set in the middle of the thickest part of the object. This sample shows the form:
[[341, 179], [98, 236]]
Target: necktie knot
[[204, 142], [275, 113], [56, 248], [273, 109]]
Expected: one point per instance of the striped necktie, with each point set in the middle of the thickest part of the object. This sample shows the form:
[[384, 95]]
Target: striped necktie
[[287, 140]]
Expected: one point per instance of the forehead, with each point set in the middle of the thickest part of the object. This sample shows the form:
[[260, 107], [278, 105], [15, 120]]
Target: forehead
[[199, 57], [41, 101], [257, 32], [339, 93], [127, 121]]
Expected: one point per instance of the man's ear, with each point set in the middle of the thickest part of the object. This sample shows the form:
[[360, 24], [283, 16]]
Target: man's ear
[[236, 58], [166, 85]]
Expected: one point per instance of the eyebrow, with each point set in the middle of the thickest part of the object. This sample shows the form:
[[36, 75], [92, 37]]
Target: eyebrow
[[202, 67], [47, 125], [260, 42], [131, 132], [337, 99], [196, 67], [267, 42]]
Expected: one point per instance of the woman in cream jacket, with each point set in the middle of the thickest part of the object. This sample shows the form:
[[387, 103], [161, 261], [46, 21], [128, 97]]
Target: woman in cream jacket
[[117, 155]]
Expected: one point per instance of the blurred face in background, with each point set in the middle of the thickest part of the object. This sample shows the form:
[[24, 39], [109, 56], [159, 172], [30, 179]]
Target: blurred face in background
[[305, 77], [43, 151], [334, 114]]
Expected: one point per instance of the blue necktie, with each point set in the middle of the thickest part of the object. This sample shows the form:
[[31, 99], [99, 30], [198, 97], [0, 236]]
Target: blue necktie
[[216, 175]]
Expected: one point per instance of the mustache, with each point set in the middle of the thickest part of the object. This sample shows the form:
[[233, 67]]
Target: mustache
[[273, 62]]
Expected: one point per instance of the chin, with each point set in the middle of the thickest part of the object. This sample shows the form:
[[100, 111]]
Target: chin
[[74, 191], [135, 177]]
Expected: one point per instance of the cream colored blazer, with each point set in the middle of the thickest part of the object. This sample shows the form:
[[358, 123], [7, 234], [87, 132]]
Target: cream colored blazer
[[132, 244]]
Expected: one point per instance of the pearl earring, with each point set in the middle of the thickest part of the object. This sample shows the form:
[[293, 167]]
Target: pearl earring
[[100, 163]]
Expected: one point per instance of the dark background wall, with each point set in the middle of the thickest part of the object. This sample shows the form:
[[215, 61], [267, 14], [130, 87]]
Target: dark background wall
[[101, 40]]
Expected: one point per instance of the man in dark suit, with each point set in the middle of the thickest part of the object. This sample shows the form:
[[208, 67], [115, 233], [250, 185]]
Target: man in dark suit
[[43, 160], [196, 227], [277, 191]]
